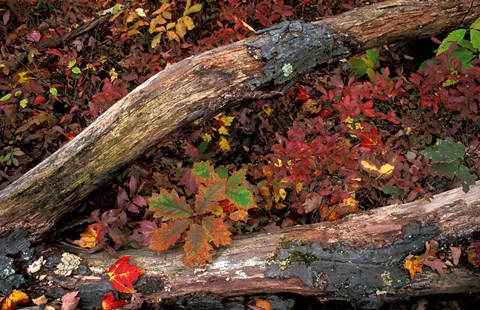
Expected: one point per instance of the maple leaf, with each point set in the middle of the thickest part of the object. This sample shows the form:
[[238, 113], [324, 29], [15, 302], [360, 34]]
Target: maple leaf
[[169, 206], [70, 301], [197, 247], [122, 275], [436, 264], [302, 94], [108, 302], [166, 236], [89, 238], [217, 231], [413, 264]]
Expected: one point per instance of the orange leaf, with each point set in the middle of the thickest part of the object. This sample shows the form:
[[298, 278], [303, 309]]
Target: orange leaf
[[216, 230], [122, 275], [166, 236], [197, 247], [13, 299], [263, 304], [88, 239], [413, 264], [109, 303]]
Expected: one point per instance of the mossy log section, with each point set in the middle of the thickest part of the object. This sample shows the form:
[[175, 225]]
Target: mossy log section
[[358, 259], [201, 85]]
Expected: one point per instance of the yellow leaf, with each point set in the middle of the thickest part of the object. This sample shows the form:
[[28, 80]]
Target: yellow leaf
[[173, 36], [299, 187], [193, 9], [268, 111], [140, 12], [385, 169], [282, 193], [113, 74], [207, 137], [156, 40], [22, 78], [223, 130], [224, 145], [413, 264], [227, 120], [180, 28], [188, 22], [218, 211], [13, 299], [247, 26], [238, 215]]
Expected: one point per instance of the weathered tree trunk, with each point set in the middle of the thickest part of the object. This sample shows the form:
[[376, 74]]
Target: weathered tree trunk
[[358, 258], [199, 85]]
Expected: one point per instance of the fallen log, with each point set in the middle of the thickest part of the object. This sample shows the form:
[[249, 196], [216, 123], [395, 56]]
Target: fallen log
[[202, 85], [358, 259]]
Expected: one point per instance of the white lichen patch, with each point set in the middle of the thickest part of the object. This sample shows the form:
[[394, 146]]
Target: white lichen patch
[[69, 263], [36, 265]]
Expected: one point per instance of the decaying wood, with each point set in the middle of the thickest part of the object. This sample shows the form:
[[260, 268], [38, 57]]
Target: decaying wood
[[198, 86], [358, 258]]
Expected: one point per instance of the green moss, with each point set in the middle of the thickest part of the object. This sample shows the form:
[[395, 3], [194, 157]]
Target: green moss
[[297, 257]]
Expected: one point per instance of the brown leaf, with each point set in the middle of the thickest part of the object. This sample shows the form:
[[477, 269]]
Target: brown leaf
[[436, 264], [456, 252]]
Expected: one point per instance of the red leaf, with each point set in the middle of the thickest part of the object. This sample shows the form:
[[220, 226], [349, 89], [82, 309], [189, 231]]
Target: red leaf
[[70, 301], [302, 94], [189, 181], [436, 264], [38, 100], [34, 36], [108, 302], [122, 275], [146, 229]]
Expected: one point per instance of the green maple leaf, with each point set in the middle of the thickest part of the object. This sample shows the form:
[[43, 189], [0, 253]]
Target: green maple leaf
[[198, 250], [169, 206], [166, 236], [217, 230]]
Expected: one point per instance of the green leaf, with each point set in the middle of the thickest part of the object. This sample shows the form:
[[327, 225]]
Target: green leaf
[[169, 206], [24, 102], [445, 169], [476, 24], [166, 236], [466, 177], [241, 197], [203, 171], [53, 91], [216, 230], [237, 178], [209, 195], [76, 70], [193, 9], [198, 250], [222, 172], [445, 151], [392, 190], [454, 36], [465, 56], [475, 38], [6, 97], [72, 63], [372, 55], [359, 67]]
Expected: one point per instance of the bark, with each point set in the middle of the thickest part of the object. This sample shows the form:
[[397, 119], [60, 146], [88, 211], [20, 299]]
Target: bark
[[204, 84], [358, 258]]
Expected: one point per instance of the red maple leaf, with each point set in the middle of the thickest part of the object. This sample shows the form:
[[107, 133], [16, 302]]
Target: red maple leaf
[[109, 303], [122, 275]]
